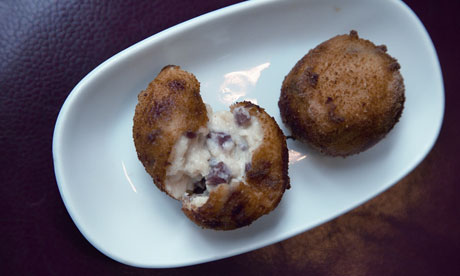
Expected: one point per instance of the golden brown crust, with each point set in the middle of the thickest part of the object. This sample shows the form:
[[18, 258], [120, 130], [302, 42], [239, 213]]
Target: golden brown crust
[[237, 205], [170, 107], [343, 96]]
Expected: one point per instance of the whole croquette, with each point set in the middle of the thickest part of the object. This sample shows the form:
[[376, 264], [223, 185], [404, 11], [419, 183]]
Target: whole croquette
[[343, 96], [227, 168]]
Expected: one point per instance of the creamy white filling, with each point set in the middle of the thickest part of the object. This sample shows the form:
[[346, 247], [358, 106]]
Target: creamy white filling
[[189, 162], [223, 140]]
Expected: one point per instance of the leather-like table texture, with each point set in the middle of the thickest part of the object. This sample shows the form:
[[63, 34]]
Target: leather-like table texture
[[48, 46]]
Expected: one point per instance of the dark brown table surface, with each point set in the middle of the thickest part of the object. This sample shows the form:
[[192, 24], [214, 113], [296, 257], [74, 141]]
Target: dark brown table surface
[[48, 46]]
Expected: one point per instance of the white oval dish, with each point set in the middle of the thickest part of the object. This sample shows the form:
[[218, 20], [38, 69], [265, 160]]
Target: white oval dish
[[238, 53]]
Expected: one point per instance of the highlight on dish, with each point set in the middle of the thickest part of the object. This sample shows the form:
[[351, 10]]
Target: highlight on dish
[[227, 168], [343, 96]]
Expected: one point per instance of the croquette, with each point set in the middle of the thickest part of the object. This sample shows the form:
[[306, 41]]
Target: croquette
[[227, 168], [343, 96]]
